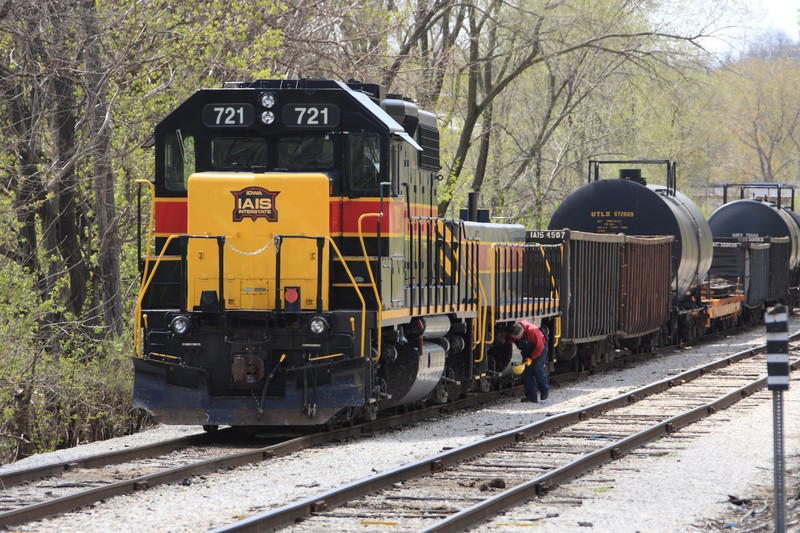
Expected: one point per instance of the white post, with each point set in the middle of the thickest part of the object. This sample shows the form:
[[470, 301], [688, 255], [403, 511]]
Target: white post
[[778, 381]]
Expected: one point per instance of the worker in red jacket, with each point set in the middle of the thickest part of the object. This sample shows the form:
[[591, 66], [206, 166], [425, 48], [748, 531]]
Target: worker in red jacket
[[532, 344]]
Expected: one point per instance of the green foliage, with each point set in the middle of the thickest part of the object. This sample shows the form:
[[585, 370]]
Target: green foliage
[[53, 402], [50, 400]]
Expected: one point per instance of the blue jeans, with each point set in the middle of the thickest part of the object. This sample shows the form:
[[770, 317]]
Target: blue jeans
[[535, 376]]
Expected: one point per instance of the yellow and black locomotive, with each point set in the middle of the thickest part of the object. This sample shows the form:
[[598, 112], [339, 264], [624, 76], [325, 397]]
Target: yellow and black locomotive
[[294, 270]]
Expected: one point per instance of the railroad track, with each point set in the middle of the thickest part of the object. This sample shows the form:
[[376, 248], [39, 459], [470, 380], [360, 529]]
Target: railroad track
[[24, 476], [40, 492], [465, 486], [78, 483]]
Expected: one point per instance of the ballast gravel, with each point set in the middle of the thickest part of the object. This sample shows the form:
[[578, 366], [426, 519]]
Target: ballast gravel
[[678, 490]]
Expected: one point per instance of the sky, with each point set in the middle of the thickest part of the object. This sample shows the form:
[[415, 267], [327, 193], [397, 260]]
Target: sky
[[781, 14]]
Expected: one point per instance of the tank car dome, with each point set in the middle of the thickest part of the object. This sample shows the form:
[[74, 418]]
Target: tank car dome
[[754, 218], [630, 207]]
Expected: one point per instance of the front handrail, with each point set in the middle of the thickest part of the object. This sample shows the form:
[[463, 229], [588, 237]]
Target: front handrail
[[146, 281], [137, 339], [355, 286], [138, 318], [372, 278], [150, 225]]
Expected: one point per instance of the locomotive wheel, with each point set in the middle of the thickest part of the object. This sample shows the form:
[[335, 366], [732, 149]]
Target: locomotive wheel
[[371, 412]]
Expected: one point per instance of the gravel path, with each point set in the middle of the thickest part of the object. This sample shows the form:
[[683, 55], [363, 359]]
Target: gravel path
[[730, 454], [667, 492]]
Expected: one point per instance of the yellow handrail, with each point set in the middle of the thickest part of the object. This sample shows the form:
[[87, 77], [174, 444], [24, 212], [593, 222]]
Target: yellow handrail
[[372, 278], [480, 295], [322, 357], [482, 321], [149, 227], [145, 284], [491, 278], [557, 320], [150, 223], [355, 286]]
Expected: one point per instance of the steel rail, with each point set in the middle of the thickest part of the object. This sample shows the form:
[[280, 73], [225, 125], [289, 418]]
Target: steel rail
[[305, 508], [14, 478], [74, 501], [542, 484]]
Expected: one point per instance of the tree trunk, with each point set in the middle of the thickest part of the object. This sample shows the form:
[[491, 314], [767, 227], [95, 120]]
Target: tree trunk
[[99, 112], [488, 115], [66, 187]]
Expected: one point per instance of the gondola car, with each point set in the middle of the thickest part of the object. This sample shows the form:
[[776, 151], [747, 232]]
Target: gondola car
[[294, 271], [606, 302]]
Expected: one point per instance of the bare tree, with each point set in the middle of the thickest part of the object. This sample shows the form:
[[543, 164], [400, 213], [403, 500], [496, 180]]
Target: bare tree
[[547, 33], [39, 89], [98, 111]]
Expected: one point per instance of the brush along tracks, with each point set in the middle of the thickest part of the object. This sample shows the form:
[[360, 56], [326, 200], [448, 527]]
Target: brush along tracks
[[462, 487]]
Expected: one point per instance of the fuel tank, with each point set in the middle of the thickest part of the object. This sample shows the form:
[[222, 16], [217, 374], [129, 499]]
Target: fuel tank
[[414, 373], [630, 207]]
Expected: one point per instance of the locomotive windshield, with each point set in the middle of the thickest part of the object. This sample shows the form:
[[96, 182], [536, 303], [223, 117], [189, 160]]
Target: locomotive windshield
[[235, 153], [285, 154], [359, 158], [305, 153]]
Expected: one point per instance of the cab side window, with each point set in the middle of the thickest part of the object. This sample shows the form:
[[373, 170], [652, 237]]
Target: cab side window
[[179, 161], [365, 161]]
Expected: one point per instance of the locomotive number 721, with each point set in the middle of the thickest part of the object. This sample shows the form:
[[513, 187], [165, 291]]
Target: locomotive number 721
[[228, 115], [311, 115]]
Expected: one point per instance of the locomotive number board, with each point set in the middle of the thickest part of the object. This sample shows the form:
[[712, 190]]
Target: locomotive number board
[[310, 115], [228, 115]]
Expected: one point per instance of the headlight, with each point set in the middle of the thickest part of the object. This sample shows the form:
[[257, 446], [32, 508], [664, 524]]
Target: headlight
[[318, 325], [180, 325], [268, 117], [267, 99]]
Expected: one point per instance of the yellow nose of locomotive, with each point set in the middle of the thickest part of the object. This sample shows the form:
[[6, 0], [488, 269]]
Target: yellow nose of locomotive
[[249, 211]]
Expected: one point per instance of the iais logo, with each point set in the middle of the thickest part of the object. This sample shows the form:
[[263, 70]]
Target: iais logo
[[253, 203]]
